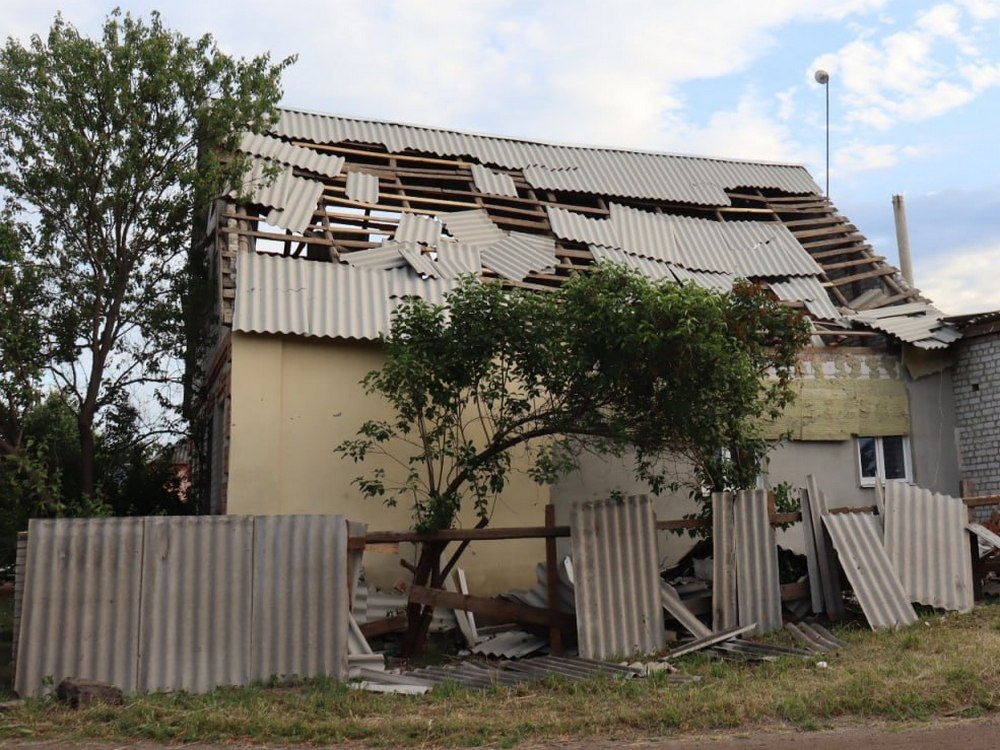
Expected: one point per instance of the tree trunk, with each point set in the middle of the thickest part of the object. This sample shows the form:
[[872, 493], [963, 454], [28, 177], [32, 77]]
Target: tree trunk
[[85, 427], [418, 616]]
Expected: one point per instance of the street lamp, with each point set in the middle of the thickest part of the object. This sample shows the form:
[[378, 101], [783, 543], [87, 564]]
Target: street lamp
[[823, 78]]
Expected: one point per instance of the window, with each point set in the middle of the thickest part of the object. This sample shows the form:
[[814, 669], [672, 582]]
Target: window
[[884, 458]]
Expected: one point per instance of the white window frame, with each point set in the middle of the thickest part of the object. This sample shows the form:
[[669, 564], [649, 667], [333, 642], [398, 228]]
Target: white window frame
[[880, 460]]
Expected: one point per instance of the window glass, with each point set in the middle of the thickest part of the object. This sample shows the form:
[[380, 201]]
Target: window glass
[[869, 460], [893, 458]]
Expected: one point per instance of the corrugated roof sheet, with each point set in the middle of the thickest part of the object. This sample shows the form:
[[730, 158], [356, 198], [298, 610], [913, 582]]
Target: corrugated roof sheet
[[378, 258], [814, 507], [418, 228], [296, 156], [675, 606], [617, 577], [456, 259], [518, 254], [808, 289], [926, 541], [758, 590], [514, 644], [719, 282], [917, 323], [857, 539], [578, 227], [275, 294], [648, 267], [604, 171], [985, 534], [494, 183], [420, 261], [473, 227], [645, 234], [362, 187], [291, 200]]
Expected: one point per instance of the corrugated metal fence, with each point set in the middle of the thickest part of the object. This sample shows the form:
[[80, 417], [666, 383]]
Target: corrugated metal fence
[[183, 603]]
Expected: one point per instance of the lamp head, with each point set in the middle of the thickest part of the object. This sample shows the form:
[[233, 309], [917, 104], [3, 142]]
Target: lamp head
[[822, 77]]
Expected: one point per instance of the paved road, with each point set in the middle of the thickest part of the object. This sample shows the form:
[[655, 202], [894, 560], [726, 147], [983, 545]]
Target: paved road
[[978, 734]]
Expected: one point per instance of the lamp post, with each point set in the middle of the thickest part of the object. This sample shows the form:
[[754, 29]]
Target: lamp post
[[823, 78]]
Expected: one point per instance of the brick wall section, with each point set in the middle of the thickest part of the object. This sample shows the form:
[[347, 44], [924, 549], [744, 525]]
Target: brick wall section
[[976, 381]]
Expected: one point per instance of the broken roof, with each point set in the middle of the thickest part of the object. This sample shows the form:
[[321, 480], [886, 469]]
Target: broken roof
[[426, 205]]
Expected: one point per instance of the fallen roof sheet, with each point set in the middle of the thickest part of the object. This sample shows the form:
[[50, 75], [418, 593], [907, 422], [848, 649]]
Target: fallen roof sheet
[[814, 638], [857, 539], [751, 651], [824, 586], [514, 644], [606, 171], [985, 534], [675, 606], [925, 539], [708, 641]]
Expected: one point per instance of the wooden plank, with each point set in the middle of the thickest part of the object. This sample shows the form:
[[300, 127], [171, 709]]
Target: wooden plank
[[493, 608], [981, 501], [887, 271], [852, 249], [552, 580], [872, 259], [462, 535], [376, 628]]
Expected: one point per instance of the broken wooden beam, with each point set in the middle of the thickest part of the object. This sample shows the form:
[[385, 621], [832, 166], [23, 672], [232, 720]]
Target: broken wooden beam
[[493, 608]]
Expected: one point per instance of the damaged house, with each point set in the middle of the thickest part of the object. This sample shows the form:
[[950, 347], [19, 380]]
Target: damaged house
[[363, 214]]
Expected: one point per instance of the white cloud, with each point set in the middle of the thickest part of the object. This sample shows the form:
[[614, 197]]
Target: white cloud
[[930, 68], [963, 281], [746, 132], [982, 10]]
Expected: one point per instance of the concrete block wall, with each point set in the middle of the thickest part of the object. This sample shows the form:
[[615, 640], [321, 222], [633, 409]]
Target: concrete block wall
[[976, 382]]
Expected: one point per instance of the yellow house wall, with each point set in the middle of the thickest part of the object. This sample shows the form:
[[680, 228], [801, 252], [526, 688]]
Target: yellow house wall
[[293, 401]]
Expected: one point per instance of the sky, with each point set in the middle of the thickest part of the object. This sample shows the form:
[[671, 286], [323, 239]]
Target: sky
[[914, 90]]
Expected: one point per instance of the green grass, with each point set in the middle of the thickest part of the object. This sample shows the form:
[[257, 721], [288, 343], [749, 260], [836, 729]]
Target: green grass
[[944, 666]]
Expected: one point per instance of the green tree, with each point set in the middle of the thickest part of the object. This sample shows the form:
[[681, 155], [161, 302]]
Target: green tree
[[112, 146], [22, 353], [611, 363]]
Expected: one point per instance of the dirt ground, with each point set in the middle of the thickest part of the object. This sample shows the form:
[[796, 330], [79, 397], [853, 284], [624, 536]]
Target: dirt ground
[[976, 734]]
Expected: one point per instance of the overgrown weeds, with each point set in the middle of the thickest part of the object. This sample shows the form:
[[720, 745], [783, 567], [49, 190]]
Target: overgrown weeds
[[945, 665]]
